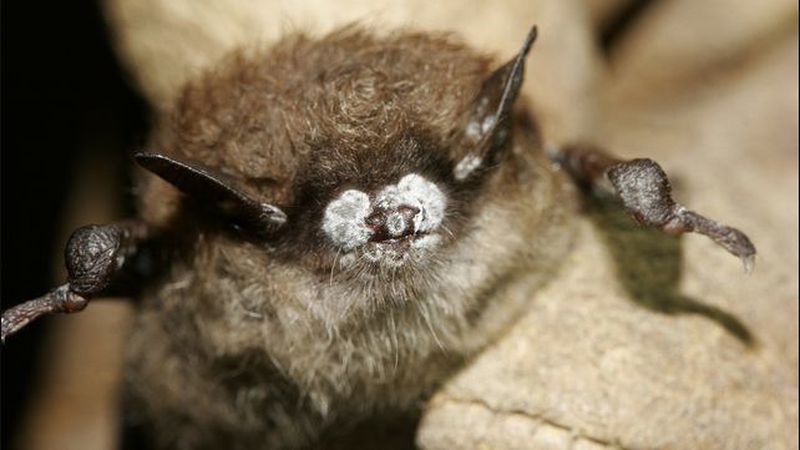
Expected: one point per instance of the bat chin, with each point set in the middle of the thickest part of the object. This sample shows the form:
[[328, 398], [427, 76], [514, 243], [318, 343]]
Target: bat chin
[[398, 252]]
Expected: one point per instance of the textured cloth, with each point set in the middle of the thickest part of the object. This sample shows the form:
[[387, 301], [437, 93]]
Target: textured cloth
[[646, 341]]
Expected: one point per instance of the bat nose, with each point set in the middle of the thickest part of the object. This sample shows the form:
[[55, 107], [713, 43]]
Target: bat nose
[[392, 223]]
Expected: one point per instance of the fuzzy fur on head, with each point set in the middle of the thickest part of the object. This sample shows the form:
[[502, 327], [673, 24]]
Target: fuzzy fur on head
[[402, 254]]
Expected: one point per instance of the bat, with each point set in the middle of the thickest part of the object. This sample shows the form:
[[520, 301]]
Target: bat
[[326, 229]]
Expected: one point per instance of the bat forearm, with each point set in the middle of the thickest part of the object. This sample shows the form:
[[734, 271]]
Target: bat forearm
[[586, 165]]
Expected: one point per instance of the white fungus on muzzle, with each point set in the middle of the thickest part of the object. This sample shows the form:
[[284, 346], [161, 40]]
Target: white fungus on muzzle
[[344, 221]]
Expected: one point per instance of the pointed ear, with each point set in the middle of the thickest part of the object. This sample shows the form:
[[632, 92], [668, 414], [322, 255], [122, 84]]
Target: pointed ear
[[488, 125], [214, 190]]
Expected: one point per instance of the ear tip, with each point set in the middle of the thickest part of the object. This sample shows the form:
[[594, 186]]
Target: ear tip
[[143, 155], [273, 214], [530, 39], [146, 159]]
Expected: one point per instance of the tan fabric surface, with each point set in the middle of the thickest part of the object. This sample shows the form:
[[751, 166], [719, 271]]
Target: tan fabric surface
[[163, 42], [643, 341]]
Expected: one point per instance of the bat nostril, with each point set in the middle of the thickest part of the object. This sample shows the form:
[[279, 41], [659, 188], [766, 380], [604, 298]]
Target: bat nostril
[[375, 219], [396, 224], [409, 212], [392, 223]]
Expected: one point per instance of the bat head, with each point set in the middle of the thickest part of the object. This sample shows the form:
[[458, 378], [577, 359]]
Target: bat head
[[351, 156]]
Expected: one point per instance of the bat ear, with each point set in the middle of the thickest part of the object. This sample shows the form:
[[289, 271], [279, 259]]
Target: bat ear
[[488, 125], [214, 190]]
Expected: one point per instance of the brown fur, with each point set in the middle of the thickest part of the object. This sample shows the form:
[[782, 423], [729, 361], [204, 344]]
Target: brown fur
[[252, 345]]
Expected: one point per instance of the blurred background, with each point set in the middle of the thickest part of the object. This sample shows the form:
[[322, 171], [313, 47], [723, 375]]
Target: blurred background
[[68, 112]]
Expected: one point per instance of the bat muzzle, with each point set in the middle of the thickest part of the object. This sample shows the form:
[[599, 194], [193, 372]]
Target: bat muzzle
[[392, 224]]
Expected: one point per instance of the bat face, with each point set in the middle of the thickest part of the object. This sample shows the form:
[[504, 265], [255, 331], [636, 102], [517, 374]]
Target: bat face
[[375, 164], [398, 212]]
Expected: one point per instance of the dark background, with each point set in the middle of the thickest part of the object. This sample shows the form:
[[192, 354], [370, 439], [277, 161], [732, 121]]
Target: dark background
[[61, 92]]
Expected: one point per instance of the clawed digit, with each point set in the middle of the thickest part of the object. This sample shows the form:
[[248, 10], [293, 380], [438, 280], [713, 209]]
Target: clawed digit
[[646, 193]]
